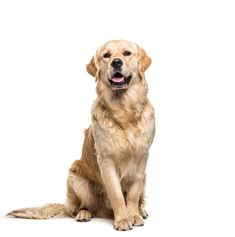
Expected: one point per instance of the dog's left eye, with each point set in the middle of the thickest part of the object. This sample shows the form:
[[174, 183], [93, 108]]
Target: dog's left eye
[[107, 55], [127, 53]]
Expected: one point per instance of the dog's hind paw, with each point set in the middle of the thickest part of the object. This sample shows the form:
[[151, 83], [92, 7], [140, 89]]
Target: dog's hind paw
[[83, 216]]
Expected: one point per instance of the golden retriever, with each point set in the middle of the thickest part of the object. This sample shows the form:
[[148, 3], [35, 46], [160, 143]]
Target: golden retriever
[[109, 179]]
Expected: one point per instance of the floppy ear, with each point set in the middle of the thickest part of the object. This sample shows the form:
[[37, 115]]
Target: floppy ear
[[91, 67], [144, 61]]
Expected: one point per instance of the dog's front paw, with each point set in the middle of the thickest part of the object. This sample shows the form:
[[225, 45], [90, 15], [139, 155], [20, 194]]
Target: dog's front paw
[[123, 224], [138, 220]]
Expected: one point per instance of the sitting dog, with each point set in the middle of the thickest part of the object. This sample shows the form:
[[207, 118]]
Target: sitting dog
[[109, 179]]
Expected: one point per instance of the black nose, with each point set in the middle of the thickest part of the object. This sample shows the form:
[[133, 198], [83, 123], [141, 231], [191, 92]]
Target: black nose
[[116, 63]]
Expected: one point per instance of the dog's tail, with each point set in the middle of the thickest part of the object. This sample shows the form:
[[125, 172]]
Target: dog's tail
[[45, 212]]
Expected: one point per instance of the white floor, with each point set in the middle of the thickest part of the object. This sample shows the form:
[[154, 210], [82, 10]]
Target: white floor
[[64, 227]]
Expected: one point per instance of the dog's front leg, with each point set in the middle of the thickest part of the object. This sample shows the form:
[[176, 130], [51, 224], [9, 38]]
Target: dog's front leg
[[122, 221], [135, 190]]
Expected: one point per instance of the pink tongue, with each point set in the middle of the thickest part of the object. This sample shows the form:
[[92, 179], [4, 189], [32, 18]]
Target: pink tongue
[[118, 79]]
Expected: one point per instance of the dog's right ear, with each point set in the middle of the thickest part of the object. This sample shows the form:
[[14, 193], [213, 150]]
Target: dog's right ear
[[91, 67], [144, 61]]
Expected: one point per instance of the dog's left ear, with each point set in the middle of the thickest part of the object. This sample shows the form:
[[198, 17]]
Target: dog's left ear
[[144, 61], [91, 67]]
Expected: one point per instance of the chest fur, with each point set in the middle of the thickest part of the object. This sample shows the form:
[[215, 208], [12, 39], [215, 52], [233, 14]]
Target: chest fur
[[136, 138]]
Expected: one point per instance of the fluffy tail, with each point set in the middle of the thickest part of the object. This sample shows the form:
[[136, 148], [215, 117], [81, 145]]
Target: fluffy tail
[[45, 212]]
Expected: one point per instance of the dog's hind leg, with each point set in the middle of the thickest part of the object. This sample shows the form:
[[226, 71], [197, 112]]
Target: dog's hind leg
[[78, 198], [142, 210]]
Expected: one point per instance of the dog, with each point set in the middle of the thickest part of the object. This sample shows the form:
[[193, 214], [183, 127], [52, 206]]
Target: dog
[[109, 179]]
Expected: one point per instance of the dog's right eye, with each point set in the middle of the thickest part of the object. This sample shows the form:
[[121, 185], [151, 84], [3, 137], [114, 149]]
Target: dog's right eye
[[127, 53], [107, 55]]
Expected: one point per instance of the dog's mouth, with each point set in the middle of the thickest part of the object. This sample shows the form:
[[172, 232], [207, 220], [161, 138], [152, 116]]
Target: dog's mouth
[[119, 82]]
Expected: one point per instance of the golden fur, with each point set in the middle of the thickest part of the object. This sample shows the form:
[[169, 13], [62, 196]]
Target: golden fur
[[108, 181]]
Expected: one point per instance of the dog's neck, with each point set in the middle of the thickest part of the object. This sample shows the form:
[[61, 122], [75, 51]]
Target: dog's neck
[[124, 106]]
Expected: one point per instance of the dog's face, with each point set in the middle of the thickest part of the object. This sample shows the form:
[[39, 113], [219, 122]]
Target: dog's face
[[118, 64]]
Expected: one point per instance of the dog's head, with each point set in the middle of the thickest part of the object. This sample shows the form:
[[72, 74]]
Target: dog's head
[[118, 64]]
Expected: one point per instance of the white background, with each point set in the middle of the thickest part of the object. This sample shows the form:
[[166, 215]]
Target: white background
[[46, 95]]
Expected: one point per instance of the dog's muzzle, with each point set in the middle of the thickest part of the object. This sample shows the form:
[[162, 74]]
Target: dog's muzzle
[[119, 81]]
